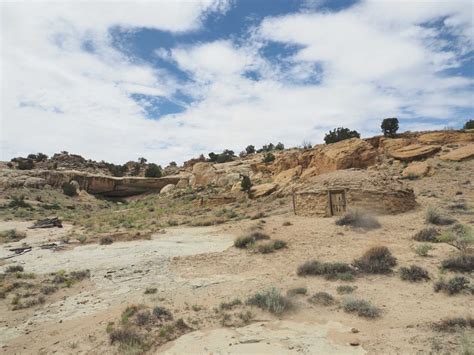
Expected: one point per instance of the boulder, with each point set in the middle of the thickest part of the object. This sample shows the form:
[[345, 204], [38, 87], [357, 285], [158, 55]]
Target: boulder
[[203, 174], [167, 189], [463, 153], [263, 190], [182, 183], [414, 152], [417, 169], [34, 182]]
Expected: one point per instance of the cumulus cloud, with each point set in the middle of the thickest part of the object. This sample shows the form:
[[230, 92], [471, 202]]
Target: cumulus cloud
[[65, 87]]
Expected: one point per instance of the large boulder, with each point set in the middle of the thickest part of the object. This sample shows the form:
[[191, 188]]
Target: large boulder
[[263, 190], [414, 152], [34, 182], [463, 153], [417, 169], [203, 174], [388, 145], [167, 189]]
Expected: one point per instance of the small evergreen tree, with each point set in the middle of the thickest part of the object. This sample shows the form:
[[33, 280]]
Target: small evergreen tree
[[469, 124], [25, 164], [340, 134], [142, 160], [268, 158], [389, 126], [280, 146], [250, 149], [153, 170], [246, 184]]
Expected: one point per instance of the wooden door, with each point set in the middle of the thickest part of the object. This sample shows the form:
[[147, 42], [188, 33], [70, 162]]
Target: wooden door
[[337, 201]]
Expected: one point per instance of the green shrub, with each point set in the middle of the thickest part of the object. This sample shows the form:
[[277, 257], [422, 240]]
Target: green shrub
[[47, 290], [106, 240], [162, 313], [413, 273], [245, 241], [25, 164], [461, 263], [459, 236], [434, 217], [469, 124], [297, 291], [19, 202], [271, 300], [153, 171], [14, 268], [246, 184], [376, 260], [362, 308], [358, 219], [271, 246], [340, 134], [128, 313], [453, 324], [322, 298], [268, 158], [389, 127], [427, 235], [423, 249], [330, 271], [453, 286], [69, 189], [250, 149], [345, 289]]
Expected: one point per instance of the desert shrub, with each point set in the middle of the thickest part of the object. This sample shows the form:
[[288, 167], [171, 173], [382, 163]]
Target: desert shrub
[[258, 215], [25, 164], [150, 291], [117, 170], [14, 268], [345, 289], [279, 146], [459, 236], [271, 246], [28, 303], [19, 202], [362, 308], [435, 217], [389, 127], [279, 244], [460, 263], [413, 273], [287, 223], [47, 290], [268, 158], [330, 271], [142, 317], [69, 189], [306, 145], [469, 124], [153, 170], [128, 313], [127, 338], [358, 219], [340, 134], [453, 324], [423, 249], [162, 313], [427, 235], [271, 300], [81, 239], [11, 235], [246, 184], [106, 240], [79, 275], [245, 241], [297, 291], [453, 286], [376, 260], [231, 304], [322, 298]]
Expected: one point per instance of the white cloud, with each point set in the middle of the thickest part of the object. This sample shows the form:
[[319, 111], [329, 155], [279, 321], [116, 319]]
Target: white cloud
[[355, 67]]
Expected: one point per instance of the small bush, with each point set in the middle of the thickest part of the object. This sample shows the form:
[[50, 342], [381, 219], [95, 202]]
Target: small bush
[[330, 271], [389, 127], [244, 241], [162, 313], [297, 291], [459, 236], [427, 235], [423, 249], [358, 219], [268, 158], [47, 290], [231, 304], [322, 298], [150, 291], [453, 286], [345, 289], [271, 300], [453, 324], [361, 308], [128, 313], [69, 189], [81, 239], [286, 224], [413, 273], [26, 164], [246, 184], [79, 275], [127, 337], [14, 268], [340, 134], [106, 241], [434, 217], [19, 202], [469, 124], [461, 263], [376, 260], [153, 170], [142, 318], [11, 235], [271, 246]]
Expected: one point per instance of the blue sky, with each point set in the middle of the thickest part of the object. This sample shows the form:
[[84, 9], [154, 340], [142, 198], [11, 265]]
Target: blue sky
[[170, 80]]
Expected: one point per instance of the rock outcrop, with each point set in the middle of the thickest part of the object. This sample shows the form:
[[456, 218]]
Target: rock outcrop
[[414, 152], [417, 169], [263, 190], [463, 153]]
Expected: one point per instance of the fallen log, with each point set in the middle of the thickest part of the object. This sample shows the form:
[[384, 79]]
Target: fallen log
[[47, 223]]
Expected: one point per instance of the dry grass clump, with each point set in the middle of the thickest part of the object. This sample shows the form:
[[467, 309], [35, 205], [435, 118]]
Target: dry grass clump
[[297, 291], [331, 271], [130, 341], [358, 219], [427, 235], [453, 286], [433, 216], [11, 235], [414, 273], [246, 240], [287, 224], [271, 246], [14, 268], [322, 298], [27, 303], [231, 304], [270, 300], [453, 324], [150, 291], [345, 289], [376, 260], [162, 313], [106, 240], [209, 221], [258, 215], [460, 263], [423, 249], [361, 307], [47, 290], [62, 277]]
